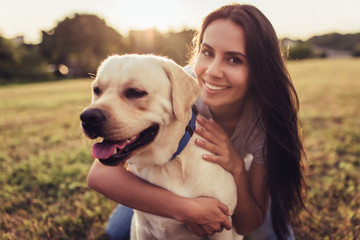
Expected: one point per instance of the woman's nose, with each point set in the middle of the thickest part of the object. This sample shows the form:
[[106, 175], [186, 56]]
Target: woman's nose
[[214, 69]]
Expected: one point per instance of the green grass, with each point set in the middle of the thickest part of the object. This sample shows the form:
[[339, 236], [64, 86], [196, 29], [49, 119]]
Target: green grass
[[329, 92], [44, 158]]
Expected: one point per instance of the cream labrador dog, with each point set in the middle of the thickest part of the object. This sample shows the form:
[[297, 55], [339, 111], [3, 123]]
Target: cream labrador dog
[[142, 109]]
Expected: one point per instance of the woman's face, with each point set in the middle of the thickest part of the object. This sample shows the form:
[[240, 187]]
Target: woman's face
[[222, 68]]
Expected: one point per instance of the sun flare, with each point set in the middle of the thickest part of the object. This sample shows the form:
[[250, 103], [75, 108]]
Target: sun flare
[[144, 14]]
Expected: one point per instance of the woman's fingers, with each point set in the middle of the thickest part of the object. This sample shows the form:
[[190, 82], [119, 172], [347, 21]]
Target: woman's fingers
[[217, 127], [205, 229], [207, 135], [213, 228], [215, 140], [213, 130], [215, 149], [197, 229], [224, 208], [210, 141], [227, 224], [211, 216], [212, 158]]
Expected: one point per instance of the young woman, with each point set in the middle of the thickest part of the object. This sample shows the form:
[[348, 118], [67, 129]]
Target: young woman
[[249, 105]]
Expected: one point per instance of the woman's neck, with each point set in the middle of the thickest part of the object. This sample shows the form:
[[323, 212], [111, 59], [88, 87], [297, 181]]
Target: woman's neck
[[228, 116]]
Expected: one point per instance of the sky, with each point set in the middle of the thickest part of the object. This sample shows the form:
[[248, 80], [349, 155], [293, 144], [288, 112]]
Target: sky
[[296, 19]]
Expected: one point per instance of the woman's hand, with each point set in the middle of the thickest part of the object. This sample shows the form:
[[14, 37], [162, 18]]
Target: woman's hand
[[207, 216], [218, 143], [203, 215]]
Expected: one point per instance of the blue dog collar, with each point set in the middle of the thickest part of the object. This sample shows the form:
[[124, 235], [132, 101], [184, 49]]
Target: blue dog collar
[[189, 131]]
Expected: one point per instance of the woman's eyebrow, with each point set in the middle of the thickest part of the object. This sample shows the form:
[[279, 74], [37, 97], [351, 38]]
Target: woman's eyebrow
[[227, 53], [236, 53]]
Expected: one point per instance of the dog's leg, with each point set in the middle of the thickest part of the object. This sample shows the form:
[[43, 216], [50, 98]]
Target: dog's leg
[[133, 228]]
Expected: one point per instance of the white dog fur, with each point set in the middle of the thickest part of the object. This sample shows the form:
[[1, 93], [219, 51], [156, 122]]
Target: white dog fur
[[170, 94]]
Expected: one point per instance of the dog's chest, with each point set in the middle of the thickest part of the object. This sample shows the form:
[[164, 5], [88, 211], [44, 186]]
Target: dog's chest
[[171, 176], [155, 227], [191, 176]]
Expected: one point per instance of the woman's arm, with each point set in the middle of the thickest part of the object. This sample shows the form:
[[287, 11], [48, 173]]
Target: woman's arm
[[253, 199], [120, 185], [251, 208]]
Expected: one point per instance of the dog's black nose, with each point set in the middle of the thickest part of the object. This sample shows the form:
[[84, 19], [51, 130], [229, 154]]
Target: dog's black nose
[[92, 116], [92, 121]]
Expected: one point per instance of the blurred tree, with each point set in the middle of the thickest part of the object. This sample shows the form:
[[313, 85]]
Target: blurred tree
[[176, 46], [32, 66], [80, 43], [336, 41], [7, 58], [356, 50], [300, 51], [172, 45], [21, 63]]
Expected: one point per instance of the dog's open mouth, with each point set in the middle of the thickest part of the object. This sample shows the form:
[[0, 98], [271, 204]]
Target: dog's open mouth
[[113, 152]]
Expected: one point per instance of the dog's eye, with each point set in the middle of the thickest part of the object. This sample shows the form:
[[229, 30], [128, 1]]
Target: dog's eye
[[96, 91], [135, 93]]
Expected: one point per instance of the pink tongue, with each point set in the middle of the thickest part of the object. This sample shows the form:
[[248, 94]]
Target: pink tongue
[[106, 148]]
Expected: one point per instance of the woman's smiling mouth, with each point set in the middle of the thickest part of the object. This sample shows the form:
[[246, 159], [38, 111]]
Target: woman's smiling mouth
[[213, 87]]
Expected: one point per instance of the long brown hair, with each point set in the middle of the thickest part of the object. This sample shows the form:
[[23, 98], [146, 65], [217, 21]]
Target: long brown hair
[[274, 92]]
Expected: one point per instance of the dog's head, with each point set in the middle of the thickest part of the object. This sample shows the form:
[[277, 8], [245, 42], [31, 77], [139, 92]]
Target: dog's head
[[133, 98]]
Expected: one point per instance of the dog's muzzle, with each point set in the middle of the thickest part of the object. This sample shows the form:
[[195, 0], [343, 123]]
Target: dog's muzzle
[[92, 121], [113, 152]]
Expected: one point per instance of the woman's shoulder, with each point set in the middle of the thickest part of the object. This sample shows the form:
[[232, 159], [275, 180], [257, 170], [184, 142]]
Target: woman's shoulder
[[202, 108], [250, 134], [189, 69]]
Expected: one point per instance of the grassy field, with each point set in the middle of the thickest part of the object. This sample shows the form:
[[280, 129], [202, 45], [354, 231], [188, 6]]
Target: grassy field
[[44, 158]]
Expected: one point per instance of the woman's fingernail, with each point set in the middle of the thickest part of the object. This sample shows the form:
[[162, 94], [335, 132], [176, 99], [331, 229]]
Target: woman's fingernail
[[229, 213], [199, 141]]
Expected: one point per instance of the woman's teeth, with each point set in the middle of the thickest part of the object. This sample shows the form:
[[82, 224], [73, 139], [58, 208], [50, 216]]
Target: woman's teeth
[[214, 88]]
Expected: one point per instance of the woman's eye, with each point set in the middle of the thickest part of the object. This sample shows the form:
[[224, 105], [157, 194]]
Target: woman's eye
[[235, 60], [96, 91], [135, 93], [207, 53]]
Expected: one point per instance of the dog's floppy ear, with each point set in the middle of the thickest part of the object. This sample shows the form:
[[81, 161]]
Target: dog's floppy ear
[[184, 88]]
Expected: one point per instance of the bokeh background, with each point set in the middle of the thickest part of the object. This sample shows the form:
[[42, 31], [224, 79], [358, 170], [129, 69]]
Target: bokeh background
[[49, 50]]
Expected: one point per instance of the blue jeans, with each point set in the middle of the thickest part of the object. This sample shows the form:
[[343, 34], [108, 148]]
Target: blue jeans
[[118, 226]]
